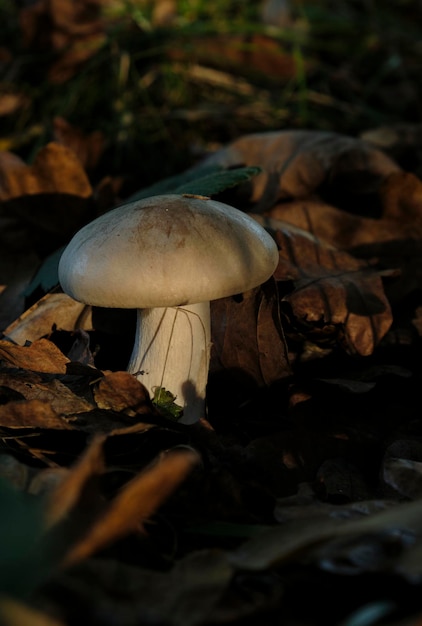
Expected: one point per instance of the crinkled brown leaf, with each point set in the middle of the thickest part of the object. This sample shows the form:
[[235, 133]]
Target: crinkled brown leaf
[[333, 288], [31, 414], [41, 206], [61, 398], [400, 199], [87, 147], [121, 390], [134, 504], [55, 169], [401, 196], [394, 238], [41, 356], [53, 311], [248, 337], [79, 480], [334, 226], [297, 164]]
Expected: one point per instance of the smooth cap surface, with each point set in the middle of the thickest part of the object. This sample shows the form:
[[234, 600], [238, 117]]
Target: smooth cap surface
[[166, 251]]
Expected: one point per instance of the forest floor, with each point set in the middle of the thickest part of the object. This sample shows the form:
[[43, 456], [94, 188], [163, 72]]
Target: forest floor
[[297, 498]]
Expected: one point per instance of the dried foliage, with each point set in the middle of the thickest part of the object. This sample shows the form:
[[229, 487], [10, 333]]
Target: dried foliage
[[297, 498], [306, 372]]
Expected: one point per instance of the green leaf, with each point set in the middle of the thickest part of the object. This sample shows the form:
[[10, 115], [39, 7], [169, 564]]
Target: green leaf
[[164, 401], [215, 183], [201, 181]]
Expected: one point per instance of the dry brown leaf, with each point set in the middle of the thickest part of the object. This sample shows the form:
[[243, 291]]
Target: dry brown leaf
[[31, 414], [121, 390], [41, 356], [10, 161], [400, 197], [243, 54], [56, 169], [135, 503], [53, 311], [42, 206], [298, 163], [12, 102], [401, 141], [248, 337], [87, 147], [73, 29], [61, 399], [15, 613], [78, 481], [330, 224], [332, 288]]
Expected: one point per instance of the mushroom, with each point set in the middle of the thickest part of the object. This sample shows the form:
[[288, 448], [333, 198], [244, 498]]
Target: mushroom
[[167, 256]]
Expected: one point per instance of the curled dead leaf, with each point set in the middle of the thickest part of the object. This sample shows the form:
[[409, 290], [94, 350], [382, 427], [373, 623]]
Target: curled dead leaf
[[41, 206], [247, 336], [332, 288], [31, 387], [55, 169], [31, 414], [87, 147], [121, 390], [54, 310], [134, 504], [400, 199], [41, 356], [77, 481], [297, 164]]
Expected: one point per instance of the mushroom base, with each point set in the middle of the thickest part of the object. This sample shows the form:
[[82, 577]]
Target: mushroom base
[[172, 351]]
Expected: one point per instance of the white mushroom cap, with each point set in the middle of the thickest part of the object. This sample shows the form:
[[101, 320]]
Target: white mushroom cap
[[166, 251]]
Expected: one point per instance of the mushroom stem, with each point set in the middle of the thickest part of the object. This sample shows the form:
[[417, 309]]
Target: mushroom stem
[[172, 350]]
